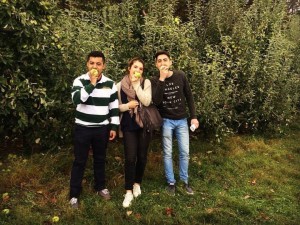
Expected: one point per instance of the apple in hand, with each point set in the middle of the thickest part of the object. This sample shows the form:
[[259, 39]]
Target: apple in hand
[[163, 68], [137, 74], [94, 72]]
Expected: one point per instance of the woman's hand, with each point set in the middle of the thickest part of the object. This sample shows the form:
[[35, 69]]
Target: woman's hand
[[135, 77], [132, 104]]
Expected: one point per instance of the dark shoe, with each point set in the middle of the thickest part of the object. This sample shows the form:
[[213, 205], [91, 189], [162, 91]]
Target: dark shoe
[[74, 203], [104, 194], [171, 189], [188, 189]]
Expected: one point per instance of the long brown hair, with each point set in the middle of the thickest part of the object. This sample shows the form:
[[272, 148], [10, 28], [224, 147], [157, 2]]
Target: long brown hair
[[133, 60]]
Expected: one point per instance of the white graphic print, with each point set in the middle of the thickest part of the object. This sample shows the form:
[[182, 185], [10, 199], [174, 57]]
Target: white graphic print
[[171, 95]]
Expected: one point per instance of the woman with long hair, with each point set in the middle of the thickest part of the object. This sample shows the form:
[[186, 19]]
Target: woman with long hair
[[133, 90]]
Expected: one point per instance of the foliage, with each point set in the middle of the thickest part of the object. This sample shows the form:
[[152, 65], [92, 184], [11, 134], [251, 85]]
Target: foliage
[[246, 72], [120, 27], [24, 26], [243, 69], [267, 56], [294, 36]]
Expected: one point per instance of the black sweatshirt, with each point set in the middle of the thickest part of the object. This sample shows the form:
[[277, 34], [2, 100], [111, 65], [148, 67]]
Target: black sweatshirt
[[169, 96]]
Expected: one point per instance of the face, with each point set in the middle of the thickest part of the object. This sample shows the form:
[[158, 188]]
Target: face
[[96, 63], [137, 66], [163, 60]]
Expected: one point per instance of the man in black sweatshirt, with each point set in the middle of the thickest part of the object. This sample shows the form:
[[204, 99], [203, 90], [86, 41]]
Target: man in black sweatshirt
[[170, 93]]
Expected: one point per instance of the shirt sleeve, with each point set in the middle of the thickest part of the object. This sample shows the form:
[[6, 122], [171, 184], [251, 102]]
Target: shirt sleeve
[[157, 90], [81, 93], [114, 108], [144, 95], [189, 97]]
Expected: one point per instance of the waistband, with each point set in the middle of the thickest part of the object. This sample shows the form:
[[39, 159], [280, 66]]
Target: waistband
[[95, 126]]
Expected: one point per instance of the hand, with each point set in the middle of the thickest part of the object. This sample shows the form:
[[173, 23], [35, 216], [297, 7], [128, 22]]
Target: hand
[[132, 104], [163, 73], [195, 122], [112, 135], [94, 76], [135, 77]]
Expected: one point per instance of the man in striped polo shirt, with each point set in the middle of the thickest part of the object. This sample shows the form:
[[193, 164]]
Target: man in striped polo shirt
[[96, 122]]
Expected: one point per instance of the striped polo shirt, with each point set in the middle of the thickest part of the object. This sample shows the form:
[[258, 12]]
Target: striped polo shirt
[[95, 105]]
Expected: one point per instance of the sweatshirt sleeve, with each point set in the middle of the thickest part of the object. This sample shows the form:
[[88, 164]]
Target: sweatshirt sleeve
[[114, 108], [144, 95], [189, 98], [157, 90]]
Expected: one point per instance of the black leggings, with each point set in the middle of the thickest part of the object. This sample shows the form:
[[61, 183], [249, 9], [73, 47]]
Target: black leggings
[[136, 145]]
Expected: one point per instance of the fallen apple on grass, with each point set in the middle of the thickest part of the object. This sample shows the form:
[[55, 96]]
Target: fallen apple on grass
[[5, 211], [55, 219], [5, 197]]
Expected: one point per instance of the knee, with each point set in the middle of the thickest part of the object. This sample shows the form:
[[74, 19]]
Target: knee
[[99, 158], [130, 160], [79, 163], [167, 154], [143, 160], [184, 155]]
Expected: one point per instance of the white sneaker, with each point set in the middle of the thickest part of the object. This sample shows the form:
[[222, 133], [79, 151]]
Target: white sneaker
[[128, 199], [74, 203], [136, 190]]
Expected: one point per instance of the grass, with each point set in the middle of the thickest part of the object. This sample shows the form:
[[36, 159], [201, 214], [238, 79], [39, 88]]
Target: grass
[[245, 180]]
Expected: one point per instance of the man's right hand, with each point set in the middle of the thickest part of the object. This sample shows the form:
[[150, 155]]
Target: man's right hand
[[163, 73], [93, 78]]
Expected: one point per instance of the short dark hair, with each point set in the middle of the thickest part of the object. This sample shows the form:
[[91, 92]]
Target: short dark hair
[[96, 54], [162, 52]]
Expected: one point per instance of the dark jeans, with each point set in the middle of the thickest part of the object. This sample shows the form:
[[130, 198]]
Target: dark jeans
[[84, 137], [136, 149]]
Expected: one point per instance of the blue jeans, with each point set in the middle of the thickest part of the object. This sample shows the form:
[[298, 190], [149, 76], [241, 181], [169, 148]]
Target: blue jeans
[[180, 129]]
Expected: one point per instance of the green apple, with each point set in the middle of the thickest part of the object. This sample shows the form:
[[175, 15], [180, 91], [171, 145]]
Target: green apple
[[94, 72], [137, 74], [163, 68], [55, 219], [177, 20], [5, 211], [5, 196]]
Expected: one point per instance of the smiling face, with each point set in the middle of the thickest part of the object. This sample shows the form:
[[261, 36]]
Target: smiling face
[[136, 69]]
